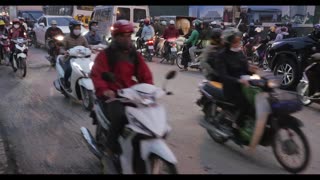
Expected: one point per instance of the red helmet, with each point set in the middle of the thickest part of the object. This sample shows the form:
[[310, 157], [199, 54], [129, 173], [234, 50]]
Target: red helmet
[[146, 21], [15, 20], [122, 26]]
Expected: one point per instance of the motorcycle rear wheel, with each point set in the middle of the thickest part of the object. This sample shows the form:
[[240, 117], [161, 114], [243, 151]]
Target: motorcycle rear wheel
[[158, 165]]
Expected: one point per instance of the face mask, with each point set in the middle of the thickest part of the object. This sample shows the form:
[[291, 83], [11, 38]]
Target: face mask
[[16, 26], [76, 32], [94, 28], [235, 49]]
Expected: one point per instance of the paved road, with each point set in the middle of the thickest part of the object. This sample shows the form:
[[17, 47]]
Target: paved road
[[41, 129]]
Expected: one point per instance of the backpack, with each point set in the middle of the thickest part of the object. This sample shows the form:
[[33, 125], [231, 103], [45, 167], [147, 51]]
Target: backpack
[[112, 58]]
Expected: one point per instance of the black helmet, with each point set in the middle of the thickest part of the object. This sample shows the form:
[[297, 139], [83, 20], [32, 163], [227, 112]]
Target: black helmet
[[73, 23], [216, 34], [92, 22]]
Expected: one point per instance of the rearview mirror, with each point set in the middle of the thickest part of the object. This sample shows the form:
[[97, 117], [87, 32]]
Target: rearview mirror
[[171, 74], [108, 76]]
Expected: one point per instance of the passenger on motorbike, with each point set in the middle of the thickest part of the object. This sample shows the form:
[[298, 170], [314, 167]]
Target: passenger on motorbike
[[231, 64], [15, 32], [24, 24], [122, 59], [73, 39], [208, 56], [170, 34], [92, 36], [3, 32], [50, 34], [7, 25], [139, 33]]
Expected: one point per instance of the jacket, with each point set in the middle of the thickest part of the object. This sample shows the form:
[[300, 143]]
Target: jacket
[[15, 33], [171, 32], [281, 35], [207, 62], [147, 33], [193, 39], [230, 67], [123, 70]]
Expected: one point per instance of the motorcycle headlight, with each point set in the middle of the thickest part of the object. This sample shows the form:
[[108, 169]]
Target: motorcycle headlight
[[59, 38]]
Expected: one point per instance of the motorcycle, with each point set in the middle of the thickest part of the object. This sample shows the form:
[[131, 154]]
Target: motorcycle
[[195, 65], [81, 86], [31, 36], [172, 54], [20, 56], [55, 45], [143, 139], [5, 43], [303, 86], [147, 49], [219, 115]]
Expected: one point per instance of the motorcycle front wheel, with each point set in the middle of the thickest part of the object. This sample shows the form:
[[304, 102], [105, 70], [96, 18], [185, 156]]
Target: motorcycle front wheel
[[22, 67], [161, 166], [179, 61], [287, 150]]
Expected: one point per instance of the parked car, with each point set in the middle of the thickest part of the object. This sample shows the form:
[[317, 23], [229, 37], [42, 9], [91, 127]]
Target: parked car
[[43, 24], [289, 57]]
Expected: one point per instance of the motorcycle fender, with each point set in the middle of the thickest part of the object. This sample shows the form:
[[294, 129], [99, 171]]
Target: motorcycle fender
[[86, 83], [290, 121], [21, 55], [158, 147]]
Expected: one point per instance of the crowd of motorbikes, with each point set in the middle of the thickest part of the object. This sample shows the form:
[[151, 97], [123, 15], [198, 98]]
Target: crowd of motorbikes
[[143, 139]]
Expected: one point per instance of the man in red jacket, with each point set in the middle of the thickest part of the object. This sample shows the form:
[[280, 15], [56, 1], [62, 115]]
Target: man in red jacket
[[170, 34], [122, 59]]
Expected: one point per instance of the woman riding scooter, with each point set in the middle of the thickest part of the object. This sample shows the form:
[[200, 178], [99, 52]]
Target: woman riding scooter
[[231, 64]]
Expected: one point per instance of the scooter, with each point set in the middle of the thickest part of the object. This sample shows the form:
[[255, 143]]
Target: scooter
[[54, 43], [20, 56], [170, 45], [147, 49], [5, 43], [81, 86], [142, 141], [194, 65], [303, 86], [281, 131]]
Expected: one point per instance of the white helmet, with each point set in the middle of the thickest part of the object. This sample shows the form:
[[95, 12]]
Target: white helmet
[[213, 23], [164, 23], [171, 22], [258, 29]]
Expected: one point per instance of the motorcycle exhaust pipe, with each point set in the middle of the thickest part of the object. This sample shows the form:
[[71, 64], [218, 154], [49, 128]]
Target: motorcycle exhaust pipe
[[91, 142], [210, 127]]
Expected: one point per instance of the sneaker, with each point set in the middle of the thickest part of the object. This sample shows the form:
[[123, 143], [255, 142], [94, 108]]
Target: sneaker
[[15, 69]]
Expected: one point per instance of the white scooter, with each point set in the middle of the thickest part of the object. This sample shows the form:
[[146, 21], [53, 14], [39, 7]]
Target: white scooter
[[20, 56], [81, 86], [142, 140]]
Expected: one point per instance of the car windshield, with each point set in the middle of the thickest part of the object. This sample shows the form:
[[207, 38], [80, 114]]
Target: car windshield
[[36, 15], [61, 21]]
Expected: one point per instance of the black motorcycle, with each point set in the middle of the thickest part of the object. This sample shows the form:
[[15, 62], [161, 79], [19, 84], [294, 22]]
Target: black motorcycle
[[221, 114], [303, 88], [170, 53]]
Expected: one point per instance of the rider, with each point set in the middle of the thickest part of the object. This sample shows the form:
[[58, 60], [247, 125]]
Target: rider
[[50, 34], [139, 32], [191, 43], [314, 75], [92, 36], [231, 64], [170, 34], [4, 32], [8, 25], [15, 32], [24, 24], [147, 31], [73, 39], [122, 59]]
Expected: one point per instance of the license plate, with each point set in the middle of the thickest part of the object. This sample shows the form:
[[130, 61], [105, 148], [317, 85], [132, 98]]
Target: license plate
[[173, 49], [150, 47]]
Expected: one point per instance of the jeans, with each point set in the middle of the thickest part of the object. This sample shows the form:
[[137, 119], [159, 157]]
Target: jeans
[[191, 52], [115, 112], [67, 73]]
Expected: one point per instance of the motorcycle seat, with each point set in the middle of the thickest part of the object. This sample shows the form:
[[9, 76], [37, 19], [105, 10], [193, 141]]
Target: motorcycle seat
[[215, 89]]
